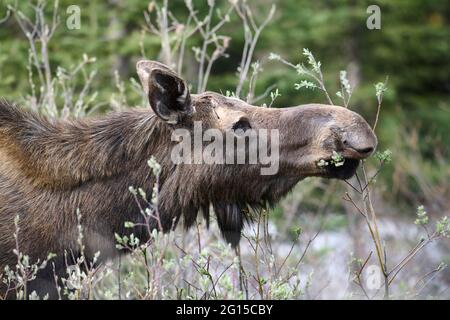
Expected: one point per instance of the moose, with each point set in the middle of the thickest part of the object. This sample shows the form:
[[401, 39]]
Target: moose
[[52, 168]]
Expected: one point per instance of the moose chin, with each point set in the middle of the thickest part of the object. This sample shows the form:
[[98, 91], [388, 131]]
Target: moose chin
[[51, 168]]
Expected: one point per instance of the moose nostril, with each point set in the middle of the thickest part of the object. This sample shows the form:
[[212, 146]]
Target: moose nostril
[[362, 144], [365, 150]]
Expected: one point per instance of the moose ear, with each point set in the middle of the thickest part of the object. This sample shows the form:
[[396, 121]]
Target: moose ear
[[167, 93]]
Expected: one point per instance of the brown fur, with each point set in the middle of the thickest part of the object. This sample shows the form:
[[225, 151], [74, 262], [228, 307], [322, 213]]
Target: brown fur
[[51, 168]]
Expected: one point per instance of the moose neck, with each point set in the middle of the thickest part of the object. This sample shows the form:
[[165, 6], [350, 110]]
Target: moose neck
[[63, 155]]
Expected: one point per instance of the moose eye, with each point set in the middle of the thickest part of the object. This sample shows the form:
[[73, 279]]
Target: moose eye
[[242, 124]]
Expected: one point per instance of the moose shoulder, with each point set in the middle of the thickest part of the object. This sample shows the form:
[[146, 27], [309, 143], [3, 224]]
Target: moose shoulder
[[50, 168]]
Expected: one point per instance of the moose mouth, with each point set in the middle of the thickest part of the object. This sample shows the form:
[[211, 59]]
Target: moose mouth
[[344, 171], [343, 165]]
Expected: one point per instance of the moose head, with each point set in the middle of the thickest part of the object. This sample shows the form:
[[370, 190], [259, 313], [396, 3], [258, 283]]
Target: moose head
[[304, 141]]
